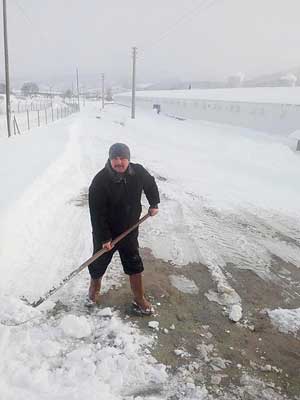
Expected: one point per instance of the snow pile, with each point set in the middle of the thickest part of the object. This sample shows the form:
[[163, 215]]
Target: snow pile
[[76, 327], [43, 362], [286, 320]]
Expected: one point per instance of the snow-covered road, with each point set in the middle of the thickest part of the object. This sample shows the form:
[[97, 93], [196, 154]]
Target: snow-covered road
[[229, 196]]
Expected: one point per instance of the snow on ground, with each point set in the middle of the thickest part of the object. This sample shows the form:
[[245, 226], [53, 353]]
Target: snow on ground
[[228, 195], [41, 111]]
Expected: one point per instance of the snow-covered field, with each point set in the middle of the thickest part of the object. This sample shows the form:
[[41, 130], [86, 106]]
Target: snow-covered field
[[228, 195], [40, 110]]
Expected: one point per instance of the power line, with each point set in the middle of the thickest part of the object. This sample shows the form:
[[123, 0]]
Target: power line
[[192, 13], [7, 81], [173, 25], [41, 34]]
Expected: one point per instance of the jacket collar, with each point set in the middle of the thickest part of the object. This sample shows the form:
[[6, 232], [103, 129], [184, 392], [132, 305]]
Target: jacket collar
[[115, 176]]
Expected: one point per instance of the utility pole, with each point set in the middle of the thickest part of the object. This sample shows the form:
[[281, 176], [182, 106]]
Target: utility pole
[[6, 69], [72, 94], [133, 83], [51, 99], [102, 75], [83, 95], [77, 89]]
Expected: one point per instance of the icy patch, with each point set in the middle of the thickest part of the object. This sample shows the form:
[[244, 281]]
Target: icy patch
[[287, 321], [183, 284], [76, 327], [224, 298]]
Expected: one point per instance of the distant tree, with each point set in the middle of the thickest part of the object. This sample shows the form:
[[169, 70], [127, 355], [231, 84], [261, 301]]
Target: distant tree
[[68, 93], [29, 88], [2, 88]]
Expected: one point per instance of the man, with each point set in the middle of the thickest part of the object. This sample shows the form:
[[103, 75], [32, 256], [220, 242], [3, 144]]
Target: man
[[115, 205]]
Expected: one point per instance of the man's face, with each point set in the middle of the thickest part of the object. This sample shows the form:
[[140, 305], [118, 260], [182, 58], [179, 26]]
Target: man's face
[[119, 164]]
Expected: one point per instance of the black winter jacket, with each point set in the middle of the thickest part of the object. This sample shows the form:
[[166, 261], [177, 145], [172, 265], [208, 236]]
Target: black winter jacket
[[115, 199]]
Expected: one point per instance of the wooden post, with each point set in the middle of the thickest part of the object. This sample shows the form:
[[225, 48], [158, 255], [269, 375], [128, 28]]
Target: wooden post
[[7, 81], [77, 80], [102, 91], [28, 122], [14, 126]]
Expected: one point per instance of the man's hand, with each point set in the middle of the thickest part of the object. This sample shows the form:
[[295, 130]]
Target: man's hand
[[107, 245], [153, 211]]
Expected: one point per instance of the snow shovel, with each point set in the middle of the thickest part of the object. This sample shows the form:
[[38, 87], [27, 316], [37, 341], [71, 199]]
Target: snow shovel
[[85, 264]]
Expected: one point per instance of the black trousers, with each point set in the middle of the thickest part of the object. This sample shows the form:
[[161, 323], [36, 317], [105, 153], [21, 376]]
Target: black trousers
[[128, 249]]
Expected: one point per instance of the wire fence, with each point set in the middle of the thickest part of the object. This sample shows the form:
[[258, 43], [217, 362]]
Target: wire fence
[[37, 117], [21, 106]]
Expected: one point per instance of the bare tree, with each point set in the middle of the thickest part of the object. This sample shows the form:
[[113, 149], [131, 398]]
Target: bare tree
[[29, 88]]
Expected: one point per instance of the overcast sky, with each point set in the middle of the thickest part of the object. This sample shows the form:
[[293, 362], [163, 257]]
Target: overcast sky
[[188, 39]]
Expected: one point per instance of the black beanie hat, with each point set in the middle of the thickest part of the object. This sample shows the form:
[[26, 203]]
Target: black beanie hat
[[119, 150]]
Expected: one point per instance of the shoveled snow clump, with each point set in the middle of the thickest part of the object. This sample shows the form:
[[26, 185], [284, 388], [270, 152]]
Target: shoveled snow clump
[[77, 327], [235, 313]]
